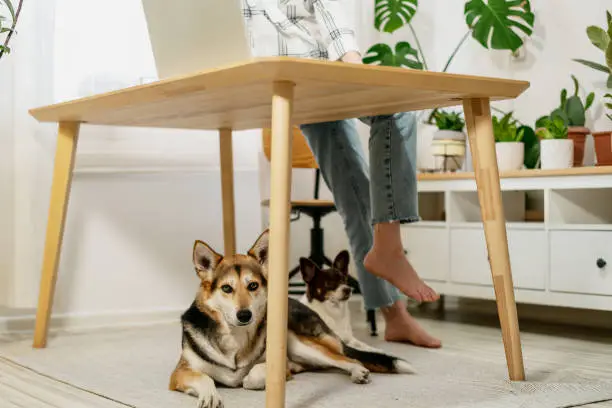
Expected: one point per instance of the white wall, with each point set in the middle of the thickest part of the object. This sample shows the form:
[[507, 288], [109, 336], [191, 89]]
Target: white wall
[[140, 196], [6, 178]]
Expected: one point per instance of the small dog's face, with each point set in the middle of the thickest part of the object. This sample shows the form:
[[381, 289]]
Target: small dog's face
[[328, 284], [234, 288]]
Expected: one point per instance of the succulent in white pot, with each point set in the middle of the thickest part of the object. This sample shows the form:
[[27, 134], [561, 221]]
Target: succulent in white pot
[[509, 145], [448, 144], [556, 150]]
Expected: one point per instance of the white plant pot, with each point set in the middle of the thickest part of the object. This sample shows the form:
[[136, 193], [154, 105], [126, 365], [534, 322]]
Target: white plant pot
[[425, 136], [510, 155], [556, 153]]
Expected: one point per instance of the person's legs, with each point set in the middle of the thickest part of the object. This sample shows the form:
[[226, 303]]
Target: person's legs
[[337, 149], [394, 201]]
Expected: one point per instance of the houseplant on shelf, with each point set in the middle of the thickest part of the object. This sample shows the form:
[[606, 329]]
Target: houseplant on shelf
[[8, 24], [494, 24], [556, 150], [508, 143], [573, 113], [603, 140], [448, 145]]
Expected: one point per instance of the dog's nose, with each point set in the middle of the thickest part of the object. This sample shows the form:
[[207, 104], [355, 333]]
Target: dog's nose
[[346, 291], [244, 316]]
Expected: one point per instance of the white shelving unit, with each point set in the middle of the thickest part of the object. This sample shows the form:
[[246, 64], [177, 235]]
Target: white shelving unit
[[559, 234]]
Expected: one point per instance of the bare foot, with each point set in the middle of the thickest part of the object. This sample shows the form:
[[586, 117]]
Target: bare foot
[[401, 327], [392, 266]]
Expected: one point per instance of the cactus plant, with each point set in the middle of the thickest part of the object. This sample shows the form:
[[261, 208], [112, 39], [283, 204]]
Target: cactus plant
[[572, 110]]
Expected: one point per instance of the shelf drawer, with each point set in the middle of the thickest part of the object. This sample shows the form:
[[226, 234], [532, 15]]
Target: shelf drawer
[[574, 256], [528, 258], [427, 249]]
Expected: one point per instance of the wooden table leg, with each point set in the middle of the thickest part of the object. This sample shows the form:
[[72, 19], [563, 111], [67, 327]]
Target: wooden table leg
[[278, 263], [482, 144], [60, 191], [227, 191]]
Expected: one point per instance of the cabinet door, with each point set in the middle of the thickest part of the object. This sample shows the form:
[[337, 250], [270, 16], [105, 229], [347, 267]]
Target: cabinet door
[[427, 249], [581, 262], [528, 258]]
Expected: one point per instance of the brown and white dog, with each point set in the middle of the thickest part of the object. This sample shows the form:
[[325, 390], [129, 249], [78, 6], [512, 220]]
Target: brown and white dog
[[224, 331], [328, 294]]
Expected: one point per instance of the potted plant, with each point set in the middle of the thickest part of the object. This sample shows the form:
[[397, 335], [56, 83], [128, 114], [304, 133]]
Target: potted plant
[[448, 145], [603, 140], [573, 113], [7, 25], [508, 143], [602, 39], [556, 150]]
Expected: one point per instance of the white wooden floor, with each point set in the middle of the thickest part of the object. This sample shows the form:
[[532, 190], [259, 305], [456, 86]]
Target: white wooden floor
[[546, 347]]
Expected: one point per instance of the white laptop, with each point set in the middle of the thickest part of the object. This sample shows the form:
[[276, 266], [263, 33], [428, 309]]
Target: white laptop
[[188, 36]]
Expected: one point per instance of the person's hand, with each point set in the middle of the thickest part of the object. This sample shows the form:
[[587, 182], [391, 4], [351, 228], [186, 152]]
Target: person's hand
[[352, 57]]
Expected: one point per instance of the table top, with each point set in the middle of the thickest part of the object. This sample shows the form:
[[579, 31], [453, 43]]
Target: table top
[[239, 96]]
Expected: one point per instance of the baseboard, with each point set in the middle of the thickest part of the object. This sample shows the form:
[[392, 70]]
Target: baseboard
[[80, 321]]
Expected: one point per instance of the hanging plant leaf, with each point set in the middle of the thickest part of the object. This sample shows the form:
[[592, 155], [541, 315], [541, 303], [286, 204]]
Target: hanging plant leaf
[[495, 23], [391, 15], [609, 57], [404, 56]]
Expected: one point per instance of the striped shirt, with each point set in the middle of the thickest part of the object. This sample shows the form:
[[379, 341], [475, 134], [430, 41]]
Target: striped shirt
[[315, 29]]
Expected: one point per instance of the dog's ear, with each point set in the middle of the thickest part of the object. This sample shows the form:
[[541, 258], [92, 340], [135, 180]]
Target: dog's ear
[[309, 269], [205, 260], [341, 262], [259, 250]]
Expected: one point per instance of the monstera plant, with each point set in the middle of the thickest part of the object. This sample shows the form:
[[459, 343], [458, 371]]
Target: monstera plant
[[8, 24], [495, 24]]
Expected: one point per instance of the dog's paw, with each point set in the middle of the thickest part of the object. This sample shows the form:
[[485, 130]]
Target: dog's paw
[[360, 375], [210, 400], [256, 379]]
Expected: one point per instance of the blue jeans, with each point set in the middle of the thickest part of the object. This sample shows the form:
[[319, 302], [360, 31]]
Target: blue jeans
[[384, 192]]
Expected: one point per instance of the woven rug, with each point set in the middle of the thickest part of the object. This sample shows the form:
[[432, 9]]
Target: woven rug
[[132, 367]]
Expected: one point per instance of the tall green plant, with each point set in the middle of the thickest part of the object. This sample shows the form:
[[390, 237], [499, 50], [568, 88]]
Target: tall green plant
[[8, 25], [609, 105], [602, 39], [572, 110]]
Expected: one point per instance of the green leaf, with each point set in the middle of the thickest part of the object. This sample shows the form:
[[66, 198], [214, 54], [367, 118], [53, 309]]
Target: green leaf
[[495, 23], [404, 56], [589, 101], [4, 49], [609, 84], [576, 85], [391, 15], [609, 57], [594, 65], [599, 37], [5, 30], [563, 97]]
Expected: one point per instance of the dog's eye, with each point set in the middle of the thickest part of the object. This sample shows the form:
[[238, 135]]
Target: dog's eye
[[253, 286], [227, 289]]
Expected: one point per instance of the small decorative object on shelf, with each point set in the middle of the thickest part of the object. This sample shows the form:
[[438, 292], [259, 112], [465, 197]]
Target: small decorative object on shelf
[[448, 145], [556, 150], [509, 144]]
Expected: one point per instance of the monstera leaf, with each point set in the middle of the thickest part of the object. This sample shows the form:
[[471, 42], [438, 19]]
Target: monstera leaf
[[404, 56], [391, 15], [495, 23]]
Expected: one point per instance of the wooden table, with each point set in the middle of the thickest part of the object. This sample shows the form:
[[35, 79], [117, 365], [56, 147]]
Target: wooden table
[[281, 92]]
